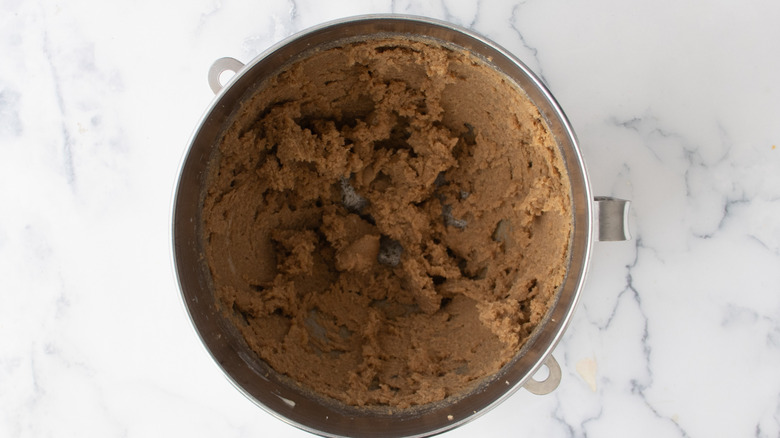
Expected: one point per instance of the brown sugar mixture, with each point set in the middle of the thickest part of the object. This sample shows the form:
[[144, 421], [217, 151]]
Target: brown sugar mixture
[[387, 221]]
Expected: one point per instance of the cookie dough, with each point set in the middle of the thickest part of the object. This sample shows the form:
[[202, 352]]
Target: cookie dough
[[386, 222]]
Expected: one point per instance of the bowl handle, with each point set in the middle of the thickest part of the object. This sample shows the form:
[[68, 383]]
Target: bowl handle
[[220, 66], [548, 385], [612, 218]]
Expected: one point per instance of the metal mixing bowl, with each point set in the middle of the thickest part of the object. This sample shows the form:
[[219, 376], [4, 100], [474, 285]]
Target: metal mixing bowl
[[255, 379]]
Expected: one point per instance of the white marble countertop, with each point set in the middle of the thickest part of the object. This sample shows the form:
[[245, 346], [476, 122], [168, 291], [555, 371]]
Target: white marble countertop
[[676, 105]]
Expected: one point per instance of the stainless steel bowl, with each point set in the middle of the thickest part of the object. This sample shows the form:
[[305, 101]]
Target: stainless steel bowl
[[255, 379]]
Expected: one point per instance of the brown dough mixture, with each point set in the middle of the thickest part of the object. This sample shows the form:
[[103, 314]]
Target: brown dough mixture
[[387, 221]]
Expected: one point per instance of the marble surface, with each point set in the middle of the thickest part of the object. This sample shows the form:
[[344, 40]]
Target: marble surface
[[676, 105]]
